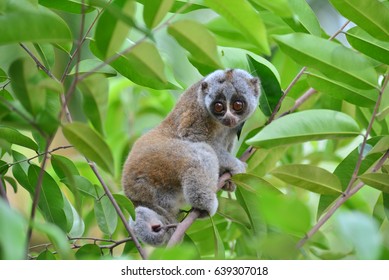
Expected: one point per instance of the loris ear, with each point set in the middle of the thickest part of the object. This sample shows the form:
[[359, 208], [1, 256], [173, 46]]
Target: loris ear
[[255, 82], [204, 86]]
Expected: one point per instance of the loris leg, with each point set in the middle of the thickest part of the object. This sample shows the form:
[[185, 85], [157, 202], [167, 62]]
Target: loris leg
[[231, 164], [199, 182]]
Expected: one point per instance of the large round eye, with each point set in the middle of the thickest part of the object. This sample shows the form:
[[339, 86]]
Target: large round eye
[[218, 107], [237, 106]]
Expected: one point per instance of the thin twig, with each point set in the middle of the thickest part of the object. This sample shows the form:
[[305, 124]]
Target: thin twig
[[38, 63], [38, 155], [38, 188], [350, 190], [341, 200]]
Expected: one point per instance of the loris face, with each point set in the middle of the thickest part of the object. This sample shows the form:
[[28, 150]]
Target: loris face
[[230, 96]]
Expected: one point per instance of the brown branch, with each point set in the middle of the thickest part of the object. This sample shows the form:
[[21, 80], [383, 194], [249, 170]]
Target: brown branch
[[350, 190], [38, 188], [341, 200]]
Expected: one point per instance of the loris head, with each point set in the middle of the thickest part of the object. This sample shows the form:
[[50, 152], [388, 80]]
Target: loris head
[[230, 96]]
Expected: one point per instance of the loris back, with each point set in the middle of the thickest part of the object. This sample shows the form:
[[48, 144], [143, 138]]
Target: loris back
[[179, 161]]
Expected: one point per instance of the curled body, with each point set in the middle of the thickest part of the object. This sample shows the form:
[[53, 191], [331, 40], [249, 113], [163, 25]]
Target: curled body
[[179, 161]]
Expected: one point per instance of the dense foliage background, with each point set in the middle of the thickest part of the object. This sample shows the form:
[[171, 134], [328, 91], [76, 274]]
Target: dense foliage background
[[81, 80]]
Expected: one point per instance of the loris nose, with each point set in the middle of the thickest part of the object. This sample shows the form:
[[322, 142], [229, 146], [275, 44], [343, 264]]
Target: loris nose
[[230, 120]]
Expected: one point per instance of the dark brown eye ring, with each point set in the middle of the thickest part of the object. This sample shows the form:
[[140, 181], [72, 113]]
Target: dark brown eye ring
[[218, 107], [238, 106]]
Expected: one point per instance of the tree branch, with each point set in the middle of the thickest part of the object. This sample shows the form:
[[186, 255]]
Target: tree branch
[[350, 190]]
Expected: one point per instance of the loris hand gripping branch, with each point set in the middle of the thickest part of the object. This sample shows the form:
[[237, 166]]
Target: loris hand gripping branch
[[179, 161]]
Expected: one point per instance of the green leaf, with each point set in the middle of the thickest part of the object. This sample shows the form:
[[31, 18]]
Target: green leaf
[[379, 181], [312, 178], [270, 83], [90, 144], [279, 7], [3, 76], [286, 213], [57, 237], [232, 210], [51, 201], [367, 44], [125, 203], [253, 183], [13, 136], [106, 215], [244, 17], [46, 255], [89, 252], [142, 64], [332, 59], [197, 40], [63, 166], [305, 126], [372, 15], [155, 11], [38, 24], [304, 19], [111, 31], [342, 91], [353, 228], [87, 65], [13, 229], [219, 248], [83, 185], [95, 92], [70, 6]]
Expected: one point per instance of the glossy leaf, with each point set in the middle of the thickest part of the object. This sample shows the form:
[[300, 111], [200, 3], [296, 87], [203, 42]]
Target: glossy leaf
[[95, 92], [309, 177], [83, 185], [90, 144], [13, 229], [378, 181], [304, 19], [142, 64], [333, 60], [63, 166], [367, 44], [305, 126], [372, 15], [253, 183], [270, 83], [197, 40], [155, 11], [342, 91], [111, 31], [70, 6], [39, 24], [13, 136], [279, 7], [244, 17], [51, 201], [46, 255], [105, 215]]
